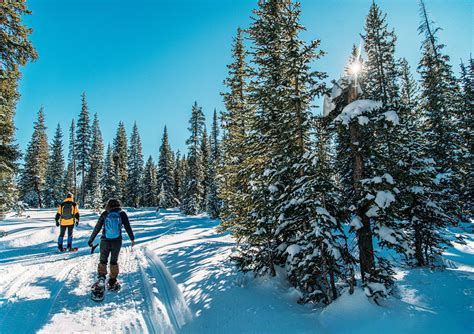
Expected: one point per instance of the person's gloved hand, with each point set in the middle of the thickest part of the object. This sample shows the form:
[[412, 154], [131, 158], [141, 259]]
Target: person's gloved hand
[[57, 223], [77, 222], [89, 243]]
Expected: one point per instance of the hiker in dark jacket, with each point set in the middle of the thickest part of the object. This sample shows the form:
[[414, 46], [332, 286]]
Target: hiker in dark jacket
[[111, 222], [66, 217]]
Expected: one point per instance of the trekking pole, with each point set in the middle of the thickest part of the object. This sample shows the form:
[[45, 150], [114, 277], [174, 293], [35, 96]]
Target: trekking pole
[[93, 248]]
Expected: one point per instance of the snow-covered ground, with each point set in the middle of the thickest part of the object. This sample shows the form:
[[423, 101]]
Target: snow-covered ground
[[179, 279]]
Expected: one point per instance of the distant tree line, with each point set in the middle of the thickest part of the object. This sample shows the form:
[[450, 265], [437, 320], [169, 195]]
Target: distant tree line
[[93, 176]]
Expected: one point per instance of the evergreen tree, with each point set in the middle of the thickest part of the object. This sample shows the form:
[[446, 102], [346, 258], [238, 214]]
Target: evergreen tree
[[178, 177], [70, 178], [150, 185], [193, 193], [83, 145], [380, 69], [213, 200], [36, 160], [466, 124], [283, 89], [166, 182], [109, 178], [205, 150], [440, 106], [418, 200], [93, 186], [15, 50], [235, 184], [54, 186], [120, 161], [135, 169]]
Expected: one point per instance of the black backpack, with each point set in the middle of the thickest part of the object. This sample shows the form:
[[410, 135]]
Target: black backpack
[[67, 210]]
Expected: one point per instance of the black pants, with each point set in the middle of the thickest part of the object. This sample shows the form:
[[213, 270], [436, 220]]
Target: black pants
[[111, 247], [62, 231]]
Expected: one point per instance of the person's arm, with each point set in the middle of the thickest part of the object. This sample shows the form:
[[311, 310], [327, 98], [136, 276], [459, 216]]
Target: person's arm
[[76, 213], [58, 216], [128, 228], [97, 228]]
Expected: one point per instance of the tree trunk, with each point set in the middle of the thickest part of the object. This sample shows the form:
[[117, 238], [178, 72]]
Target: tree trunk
[[364, 234]]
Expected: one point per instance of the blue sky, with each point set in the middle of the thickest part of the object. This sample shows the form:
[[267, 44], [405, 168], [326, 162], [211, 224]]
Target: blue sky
[[149, 60]]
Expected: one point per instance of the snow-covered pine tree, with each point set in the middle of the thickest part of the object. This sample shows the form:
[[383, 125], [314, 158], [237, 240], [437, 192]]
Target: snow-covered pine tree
[[70, 178], [192, 200], [165, 177], [465, 128], [36, 160], [83, 145], [109, 178], [93, 180], [134, 183], [418, 201], [16, 50], [178, 177], [440, 98], [318, 261], [183, 174], [234, 187], [206, 152], [120, 159], [54, 186], [150, 185], [214, 203]]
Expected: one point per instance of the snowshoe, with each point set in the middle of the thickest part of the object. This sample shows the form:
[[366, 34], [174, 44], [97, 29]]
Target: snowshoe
[[113, 285], [98, 290], [72, 249]]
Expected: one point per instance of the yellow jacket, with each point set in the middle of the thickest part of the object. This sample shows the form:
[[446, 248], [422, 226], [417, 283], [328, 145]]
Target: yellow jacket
[[66, 218]]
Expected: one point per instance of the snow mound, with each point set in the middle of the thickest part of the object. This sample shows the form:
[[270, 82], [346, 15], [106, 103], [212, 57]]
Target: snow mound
[[356, 109]]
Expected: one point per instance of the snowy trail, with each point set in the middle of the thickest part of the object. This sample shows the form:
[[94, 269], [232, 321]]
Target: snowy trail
[[52, 289]]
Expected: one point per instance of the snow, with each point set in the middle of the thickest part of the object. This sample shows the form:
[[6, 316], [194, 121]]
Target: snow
[[384, 198], [392, 116], [179, 279], [355, 222], [355, 109], [292, 250]]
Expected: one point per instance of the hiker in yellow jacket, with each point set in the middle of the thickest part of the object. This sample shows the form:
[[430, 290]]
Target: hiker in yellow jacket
[[66, 217]]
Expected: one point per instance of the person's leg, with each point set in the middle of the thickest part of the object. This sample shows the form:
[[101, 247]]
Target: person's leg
[[70, 228], [62, 231], [104, 258], [115, 250]]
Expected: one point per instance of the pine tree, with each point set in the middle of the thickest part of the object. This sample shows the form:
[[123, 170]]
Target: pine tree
[[109, 178], [283, 89], [380, 69], [440, 104], [70, 178], [93, 186], [235, 184], [135, 169], [15, 50], [205, 150], [193, 193], [418, 200], [150, 185], [166, 167], [466, 124], [213, 200], [54, 186], [120, 159], [178, 176], [83, 143], [36, 160]]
